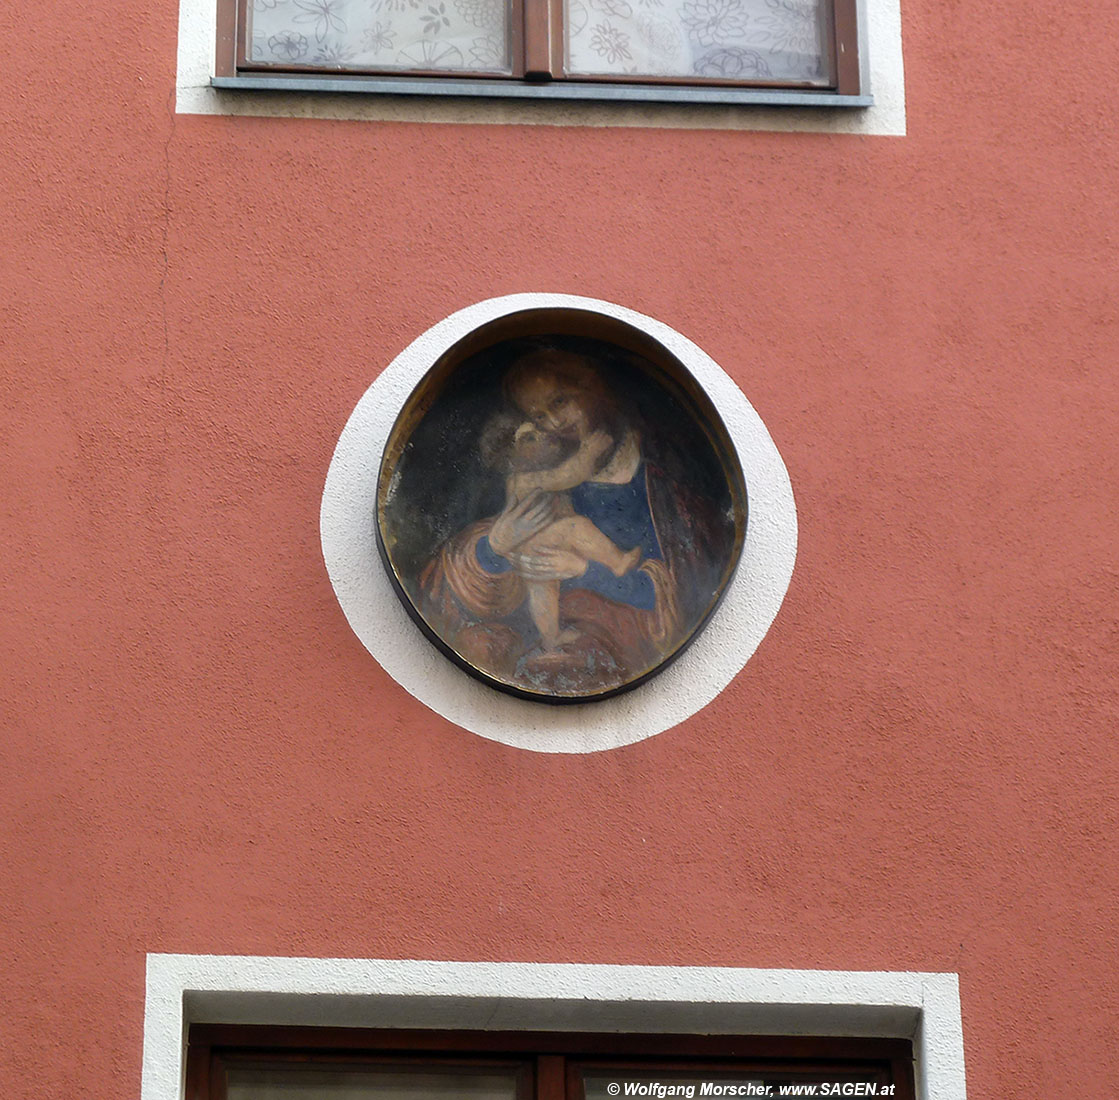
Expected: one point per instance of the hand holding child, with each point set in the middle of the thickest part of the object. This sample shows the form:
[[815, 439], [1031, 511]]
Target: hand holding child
[[521, 521]]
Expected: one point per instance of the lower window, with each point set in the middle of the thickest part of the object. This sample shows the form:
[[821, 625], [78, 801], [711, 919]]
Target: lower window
[[263, 1063]]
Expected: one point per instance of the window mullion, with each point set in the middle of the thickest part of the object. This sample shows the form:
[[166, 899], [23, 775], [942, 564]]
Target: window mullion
[[543, 23], [551, 1083]]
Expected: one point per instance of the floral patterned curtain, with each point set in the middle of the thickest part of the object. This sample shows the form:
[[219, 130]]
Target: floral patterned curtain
[[456, 35], [744, 40], [747, 40]]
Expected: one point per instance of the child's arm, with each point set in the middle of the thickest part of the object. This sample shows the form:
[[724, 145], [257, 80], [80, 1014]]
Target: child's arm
[[569, 473]]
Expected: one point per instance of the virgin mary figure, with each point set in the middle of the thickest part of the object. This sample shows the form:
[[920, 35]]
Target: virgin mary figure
[[599, 565]]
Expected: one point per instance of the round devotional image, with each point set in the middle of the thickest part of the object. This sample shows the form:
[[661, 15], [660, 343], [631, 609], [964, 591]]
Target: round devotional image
[[560, 514]]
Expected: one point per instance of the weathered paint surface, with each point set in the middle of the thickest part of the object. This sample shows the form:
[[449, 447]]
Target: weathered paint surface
[[916, 770]]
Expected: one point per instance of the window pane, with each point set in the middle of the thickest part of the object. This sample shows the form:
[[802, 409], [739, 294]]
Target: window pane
[[451, 35], [367, 1084], [746, 41]]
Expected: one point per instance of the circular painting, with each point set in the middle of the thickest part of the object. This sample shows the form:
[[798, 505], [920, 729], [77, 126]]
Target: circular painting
[[559, 506]]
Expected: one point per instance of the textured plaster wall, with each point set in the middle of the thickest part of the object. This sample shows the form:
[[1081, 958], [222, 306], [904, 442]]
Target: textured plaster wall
[[916, 770]]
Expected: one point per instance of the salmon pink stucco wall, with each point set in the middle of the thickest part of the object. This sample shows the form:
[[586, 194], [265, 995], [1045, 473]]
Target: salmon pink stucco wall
[[917, 769]]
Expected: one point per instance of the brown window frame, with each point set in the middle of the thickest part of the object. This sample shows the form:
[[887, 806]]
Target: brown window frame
[[538, 60], [549, 1064]]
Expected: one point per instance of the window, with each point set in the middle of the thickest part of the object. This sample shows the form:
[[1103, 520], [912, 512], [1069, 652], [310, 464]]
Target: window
[[799, 51], [277, 1063], [532, 1000]]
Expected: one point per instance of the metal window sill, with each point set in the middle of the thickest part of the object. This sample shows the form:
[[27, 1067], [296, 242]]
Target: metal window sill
[[560, 90]]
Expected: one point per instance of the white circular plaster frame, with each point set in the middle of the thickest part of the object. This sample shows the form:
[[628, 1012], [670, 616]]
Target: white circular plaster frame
[[748, 608]]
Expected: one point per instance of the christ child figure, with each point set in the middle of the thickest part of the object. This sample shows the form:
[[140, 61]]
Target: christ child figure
[[534, 462]]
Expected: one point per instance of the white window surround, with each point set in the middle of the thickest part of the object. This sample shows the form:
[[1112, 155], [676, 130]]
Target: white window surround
[[880, 46], [383, 993], [718, 654]]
